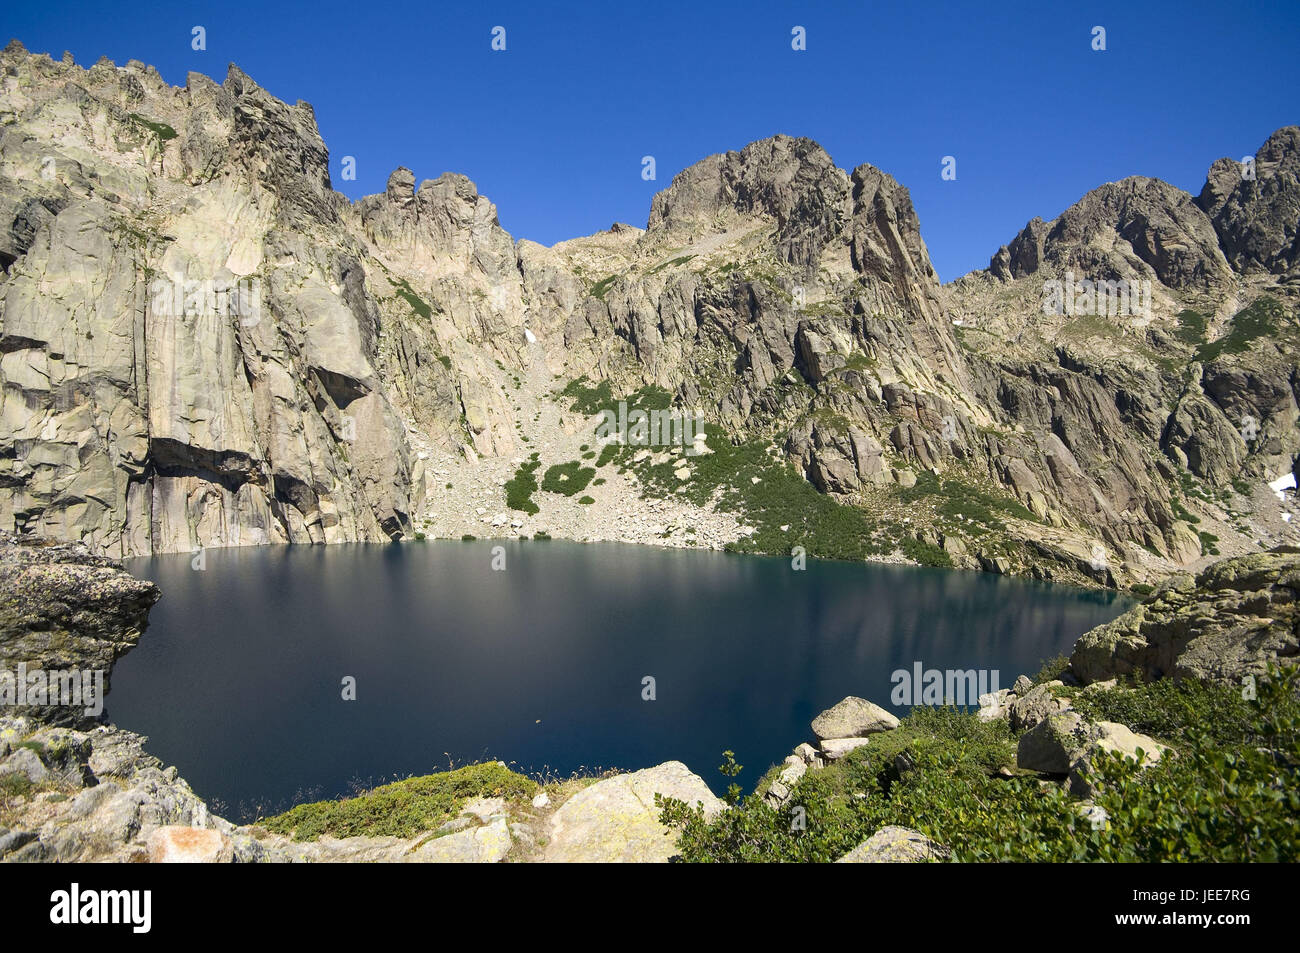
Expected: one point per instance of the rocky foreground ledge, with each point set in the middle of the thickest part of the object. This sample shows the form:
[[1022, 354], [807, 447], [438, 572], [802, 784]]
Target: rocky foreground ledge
[[73, 787]]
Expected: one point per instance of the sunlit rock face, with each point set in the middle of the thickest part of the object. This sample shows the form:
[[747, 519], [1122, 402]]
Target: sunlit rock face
[[202, 344]]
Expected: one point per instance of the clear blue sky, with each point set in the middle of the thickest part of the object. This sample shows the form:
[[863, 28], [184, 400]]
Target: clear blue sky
[[553, 129]]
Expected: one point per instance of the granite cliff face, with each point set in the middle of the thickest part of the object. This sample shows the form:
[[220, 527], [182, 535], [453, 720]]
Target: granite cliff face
[[201, 343]]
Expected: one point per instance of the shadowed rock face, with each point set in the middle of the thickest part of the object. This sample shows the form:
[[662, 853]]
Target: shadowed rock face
[[63, 607], [793, 302], [1258, 219]]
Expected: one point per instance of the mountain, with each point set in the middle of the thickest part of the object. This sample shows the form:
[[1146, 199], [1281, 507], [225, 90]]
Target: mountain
[[202, 344]]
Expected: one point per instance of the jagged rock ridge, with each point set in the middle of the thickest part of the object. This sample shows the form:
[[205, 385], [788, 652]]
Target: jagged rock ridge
[[791, 300]]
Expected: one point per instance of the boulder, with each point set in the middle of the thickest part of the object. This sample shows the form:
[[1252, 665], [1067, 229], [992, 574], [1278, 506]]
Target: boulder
[[1110, 736], [1026, 711], [994, 705], [808, 753], [616, 820], [852, 718], [1054, 744], [189, 845], [836, 748], [896, 845]]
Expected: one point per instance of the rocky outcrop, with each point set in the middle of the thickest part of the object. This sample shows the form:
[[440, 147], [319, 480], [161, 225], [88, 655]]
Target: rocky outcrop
[[64, 609], [853, 718], [1225, 624], [1132, 229]]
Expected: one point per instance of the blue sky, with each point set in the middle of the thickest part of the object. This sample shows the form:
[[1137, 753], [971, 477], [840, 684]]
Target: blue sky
[[554, 128]]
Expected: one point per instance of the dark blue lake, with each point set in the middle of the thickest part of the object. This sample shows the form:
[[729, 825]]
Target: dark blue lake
[[238, 680]]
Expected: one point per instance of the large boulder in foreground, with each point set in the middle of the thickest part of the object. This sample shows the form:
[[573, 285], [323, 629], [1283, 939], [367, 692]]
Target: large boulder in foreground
[[853, 718], [616, 820], [1065, 743], [1230, 621], [175, 844], [1053, 744], [896, 845]]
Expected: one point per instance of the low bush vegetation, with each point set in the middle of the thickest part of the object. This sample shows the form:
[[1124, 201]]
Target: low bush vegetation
[[1226, 792]]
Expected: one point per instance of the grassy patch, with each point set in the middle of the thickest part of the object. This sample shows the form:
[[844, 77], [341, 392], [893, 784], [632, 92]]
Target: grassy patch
[[161, 130], [15, 784], [1191, 327], [404, 808], [587, 398], [671, 263], [1264, 317], [418, 305], [600, 288]]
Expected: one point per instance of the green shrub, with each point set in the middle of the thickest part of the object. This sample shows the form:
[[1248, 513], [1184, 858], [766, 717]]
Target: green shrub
[[521, 487], [567, 479], [1174, 712]]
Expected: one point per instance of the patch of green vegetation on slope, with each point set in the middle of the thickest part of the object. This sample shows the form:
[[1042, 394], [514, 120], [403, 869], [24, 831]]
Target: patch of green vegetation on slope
[[1228, 793], [956, 499], [418, 304], [587, 398], [1263, 318], [567, 479], [671, 263], [403, 808], [600, 288], [161, 130], [521, 487], [748, 480], [1191, 327]]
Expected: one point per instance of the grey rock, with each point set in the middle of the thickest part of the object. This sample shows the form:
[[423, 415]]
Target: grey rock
[[852, 717], [1054, 744], [896, 845]]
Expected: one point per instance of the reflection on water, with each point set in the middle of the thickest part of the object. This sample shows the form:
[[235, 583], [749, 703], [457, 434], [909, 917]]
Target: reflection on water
[[238, 679]]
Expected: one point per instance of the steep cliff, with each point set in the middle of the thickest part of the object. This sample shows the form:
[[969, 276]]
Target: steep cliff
[[202, 344]]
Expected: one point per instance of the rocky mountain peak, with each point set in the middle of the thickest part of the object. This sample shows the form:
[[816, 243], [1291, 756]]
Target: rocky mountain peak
[[792, 181], [1137, 227], [1256, 211]]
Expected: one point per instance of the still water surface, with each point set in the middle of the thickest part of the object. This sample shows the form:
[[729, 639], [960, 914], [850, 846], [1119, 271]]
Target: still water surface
[[238, 680]]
